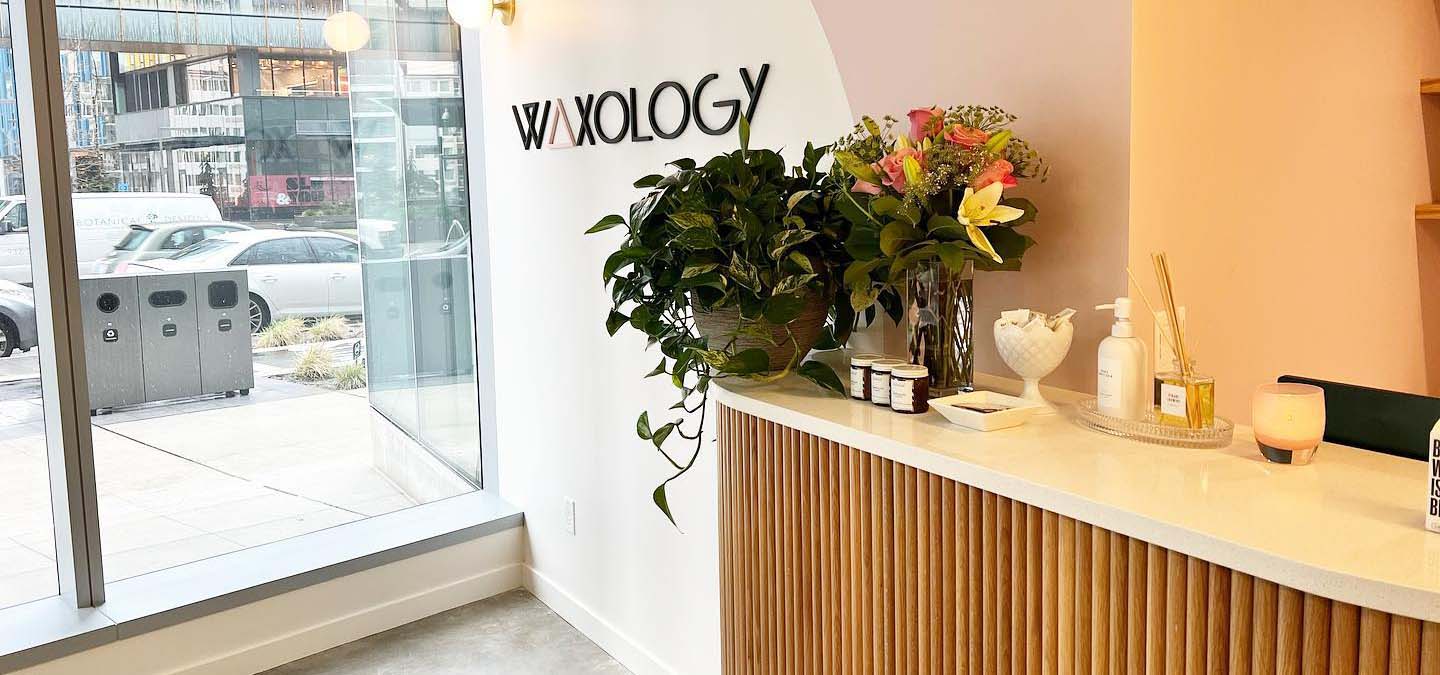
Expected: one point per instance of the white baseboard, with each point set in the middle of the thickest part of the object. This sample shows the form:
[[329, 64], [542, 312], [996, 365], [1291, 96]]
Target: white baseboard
[[603, 633], [277, 630], [358, 625]]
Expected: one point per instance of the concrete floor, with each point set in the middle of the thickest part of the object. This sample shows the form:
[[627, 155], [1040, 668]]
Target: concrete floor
[[512, 633]]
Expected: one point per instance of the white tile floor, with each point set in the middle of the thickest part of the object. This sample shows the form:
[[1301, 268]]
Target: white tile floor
[[179, 488]]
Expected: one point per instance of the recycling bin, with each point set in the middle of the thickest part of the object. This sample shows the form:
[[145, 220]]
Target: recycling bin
[[223, 313], [110, 317], [170, 336]]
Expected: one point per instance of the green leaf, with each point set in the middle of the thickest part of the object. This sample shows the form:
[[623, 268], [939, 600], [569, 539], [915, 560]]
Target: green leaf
[[796, 199], [642, 426], [822, 375], [793, 283], [863, 243], [782, 309], [940, 221], [896, 235], [744, 135], [858, 272], [1011, 246], [954, 254], [606, 223], [856, 167], [910, 213], [802, 261], [787, 239], [692, 271], [862, 298], [642, 209], [684, 164], [649, 181], [884, 205], [640, 317], [623, 257], [688, 219], [697, 238], [615, 321], [662, 433], [907, 259], [659, 370], [747, 362], [744, 273], [658, 496]]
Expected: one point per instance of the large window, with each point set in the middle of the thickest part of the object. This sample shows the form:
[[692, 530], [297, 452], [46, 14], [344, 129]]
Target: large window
[[275, 293]]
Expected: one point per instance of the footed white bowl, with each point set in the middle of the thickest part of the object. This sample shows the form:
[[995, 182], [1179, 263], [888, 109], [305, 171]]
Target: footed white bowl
[[1033, 354]]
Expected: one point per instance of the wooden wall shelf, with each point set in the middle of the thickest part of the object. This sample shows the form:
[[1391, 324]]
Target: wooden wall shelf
[[1430, 85], [1427, 212]]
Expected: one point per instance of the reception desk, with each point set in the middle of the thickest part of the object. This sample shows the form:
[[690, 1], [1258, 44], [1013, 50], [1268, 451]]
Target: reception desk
[[857, 540]]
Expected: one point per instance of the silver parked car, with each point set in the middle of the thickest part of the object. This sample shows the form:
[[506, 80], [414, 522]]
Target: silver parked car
[[163, 240], [17, 318]]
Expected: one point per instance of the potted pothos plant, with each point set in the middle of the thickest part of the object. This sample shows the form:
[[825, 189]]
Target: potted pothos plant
[[732, 268], [928, 206]]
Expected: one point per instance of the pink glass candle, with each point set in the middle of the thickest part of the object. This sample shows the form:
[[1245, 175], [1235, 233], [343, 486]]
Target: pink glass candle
[[1289, 421]]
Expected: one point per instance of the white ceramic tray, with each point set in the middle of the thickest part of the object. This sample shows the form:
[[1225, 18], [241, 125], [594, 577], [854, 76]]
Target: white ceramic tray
[[1017, 410]]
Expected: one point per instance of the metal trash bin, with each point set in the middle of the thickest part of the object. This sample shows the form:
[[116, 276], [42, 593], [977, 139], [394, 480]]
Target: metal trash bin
[[155, 337], [223, 310], [169, 336], [110, 317]]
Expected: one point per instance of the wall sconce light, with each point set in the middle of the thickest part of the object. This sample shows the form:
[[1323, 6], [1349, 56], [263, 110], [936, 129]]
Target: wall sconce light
[[474, 13], [346, 31]]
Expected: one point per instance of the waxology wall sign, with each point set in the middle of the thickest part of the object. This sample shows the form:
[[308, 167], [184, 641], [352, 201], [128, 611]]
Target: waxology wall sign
[[553, 123]]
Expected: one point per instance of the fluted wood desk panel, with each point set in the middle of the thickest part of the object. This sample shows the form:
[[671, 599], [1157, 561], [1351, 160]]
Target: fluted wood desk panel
[[834, 560]]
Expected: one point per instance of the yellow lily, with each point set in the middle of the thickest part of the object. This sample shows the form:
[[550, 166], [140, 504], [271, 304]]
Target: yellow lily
[[982, 209]]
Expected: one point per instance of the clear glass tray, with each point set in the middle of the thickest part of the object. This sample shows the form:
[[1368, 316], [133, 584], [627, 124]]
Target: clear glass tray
[[1149, 430]]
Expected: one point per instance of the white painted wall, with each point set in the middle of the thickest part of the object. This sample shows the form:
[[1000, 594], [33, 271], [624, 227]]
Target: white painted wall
[[567, 394]]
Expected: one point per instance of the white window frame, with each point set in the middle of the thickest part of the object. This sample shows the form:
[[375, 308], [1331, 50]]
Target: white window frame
[[88, 612]]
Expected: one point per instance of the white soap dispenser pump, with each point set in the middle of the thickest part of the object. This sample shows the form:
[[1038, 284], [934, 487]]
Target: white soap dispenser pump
[[1123, 369]]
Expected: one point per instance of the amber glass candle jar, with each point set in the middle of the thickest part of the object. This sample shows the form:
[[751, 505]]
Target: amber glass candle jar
[[910, 389]]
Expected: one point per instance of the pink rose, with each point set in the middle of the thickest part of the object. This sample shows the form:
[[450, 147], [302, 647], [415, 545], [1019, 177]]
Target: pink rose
[[999, 171], [925, 122], [865, 187], [966, 137], [892, 167]]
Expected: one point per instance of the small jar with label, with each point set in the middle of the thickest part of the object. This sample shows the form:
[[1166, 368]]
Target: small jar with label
[[860, 375], [910, 389], [880, 380]]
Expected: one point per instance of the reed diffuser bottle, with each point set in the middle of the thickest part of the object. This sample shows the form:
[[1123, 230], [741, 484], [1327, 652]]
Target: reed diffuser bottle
[[1184, 397]]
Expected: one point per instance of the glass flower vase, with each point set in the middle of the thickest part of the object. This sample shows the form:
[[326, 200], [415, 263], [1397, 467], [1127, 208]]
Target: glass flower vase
[[940, 327]]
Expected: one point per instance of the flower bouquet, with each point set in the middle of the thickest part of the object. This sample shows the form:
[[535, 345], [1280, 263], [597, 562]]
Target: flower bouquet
[[927, 208]]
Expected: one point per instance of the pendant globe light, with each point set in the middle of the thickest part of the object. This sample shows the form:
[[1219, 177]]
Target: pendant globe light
[[346, 31], [473, 14]]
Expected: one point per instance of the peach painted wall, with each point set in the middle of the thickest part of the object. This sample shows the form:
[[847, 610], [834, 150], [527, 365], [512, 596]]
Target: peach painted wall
[[1277, 154], [1064, 68]]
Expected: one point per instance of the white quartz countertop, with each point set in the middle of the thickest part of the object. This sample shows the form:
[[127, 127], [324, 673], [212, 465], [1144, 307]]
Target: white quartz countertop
[[1349, 526]]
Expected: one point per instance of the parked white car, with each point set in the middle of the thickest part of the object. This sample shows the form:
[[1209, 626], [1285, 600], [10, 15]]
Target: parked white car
[[102, 219], [292, 274], [148, 242]]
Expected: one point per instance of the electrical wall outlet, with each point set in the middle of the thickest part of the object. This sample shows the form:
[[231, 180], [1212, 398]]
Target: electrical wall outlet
[[569, 515]]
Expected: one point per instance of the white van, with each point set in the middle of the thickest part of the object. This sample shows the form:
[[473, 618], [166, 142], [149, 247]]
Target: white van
[[102, 219]]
